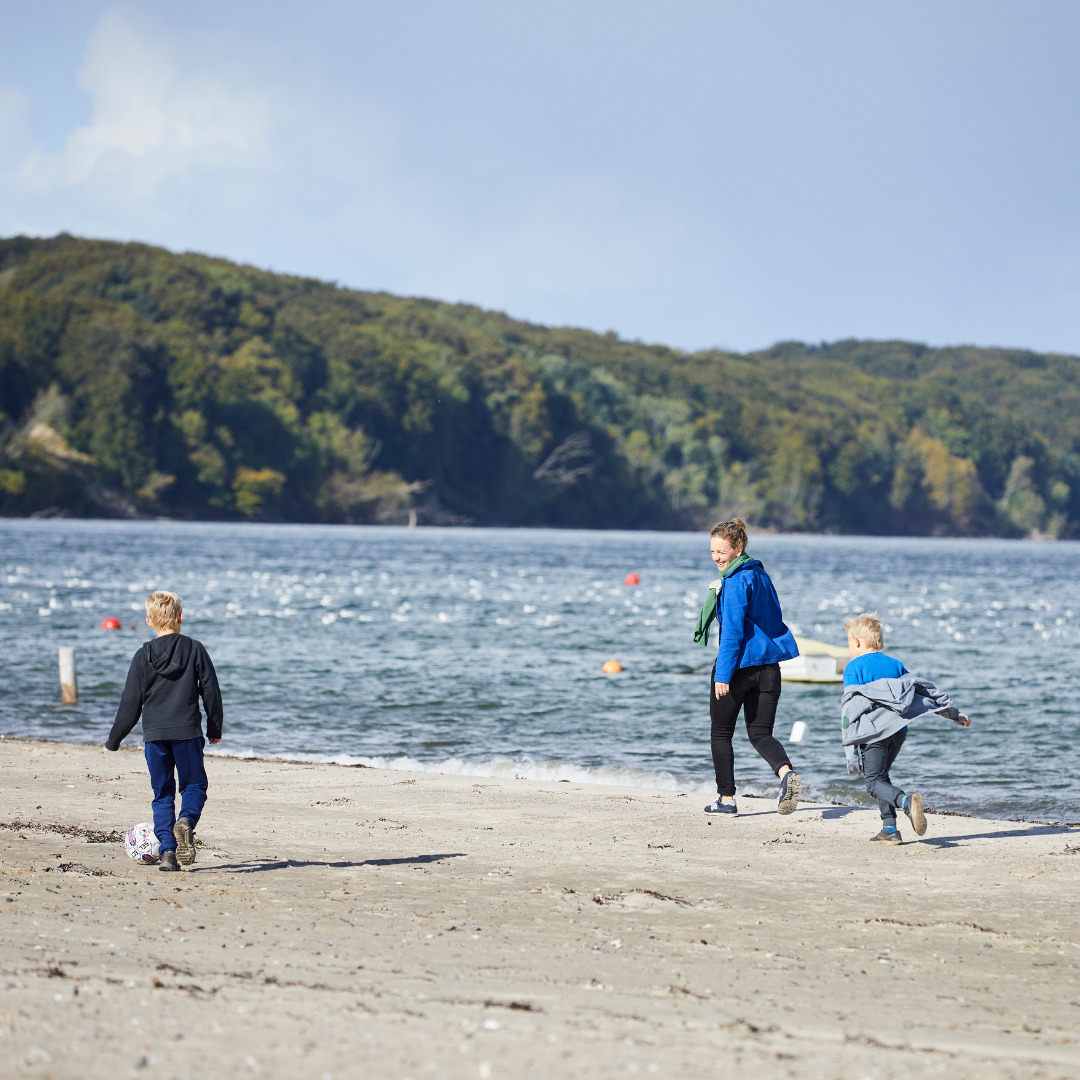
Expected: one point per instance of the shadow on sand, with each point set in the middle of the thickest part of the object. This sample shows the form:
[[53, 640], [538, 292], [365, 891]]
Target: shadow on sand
[[833, 813], [1001, 834], [830, 813], [255, 866]]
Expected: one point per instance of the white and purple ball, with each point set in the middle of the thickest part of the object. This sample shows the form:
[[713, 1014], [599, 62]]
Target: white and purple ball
[[141, 843]]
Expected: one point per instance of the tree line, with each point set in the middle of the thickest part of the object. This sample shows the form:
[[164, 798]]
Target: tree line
[[135, 381]]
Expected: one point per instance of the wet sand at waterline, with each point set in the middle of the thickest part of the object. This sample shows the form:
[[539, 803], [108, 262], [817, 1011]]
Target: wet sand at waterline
[[350, 922]]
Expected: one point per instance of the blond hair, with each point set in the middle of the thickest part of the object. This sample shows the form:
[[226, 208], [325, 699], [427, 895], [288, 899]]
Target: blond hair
[[163, 610], [868, 629], [733, 531]]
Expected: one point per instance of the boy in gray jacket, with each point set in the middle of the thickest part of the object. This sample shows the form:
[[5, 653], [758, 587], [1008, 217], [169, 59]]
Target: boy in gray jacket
[[880, 697]]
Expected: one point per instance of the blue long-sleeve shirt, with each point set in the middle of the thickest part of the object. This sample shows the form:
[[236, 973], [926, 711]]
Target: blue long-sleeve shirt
[[870, 666]]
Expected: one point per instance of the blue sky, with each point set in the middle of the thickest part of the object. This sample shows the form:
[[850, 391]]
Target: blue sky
[[699, 174]]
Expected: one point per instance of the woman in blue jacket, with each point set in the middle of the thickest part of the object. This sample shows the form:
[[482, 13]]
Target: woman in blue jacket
[[746, 675]]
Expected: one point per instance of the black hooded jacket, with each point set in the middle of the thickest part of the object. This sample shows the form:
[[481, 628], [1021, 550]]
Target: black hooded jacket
[[167, 677]]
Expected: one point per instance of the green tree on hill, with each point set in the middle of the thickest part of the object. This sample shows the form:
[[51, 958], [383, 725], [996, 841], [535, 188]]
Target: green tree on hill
[[135, 381]]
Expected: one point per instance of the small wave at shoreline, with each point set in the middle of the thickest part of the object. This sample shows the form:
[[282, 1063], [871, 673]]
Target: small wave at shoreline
[[505, 768], [543, 771], [605, 775], [500, 767]]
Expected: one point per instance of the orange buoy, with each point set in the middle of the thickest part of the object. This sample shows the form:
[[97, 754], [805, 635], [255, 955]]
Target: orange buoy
[[611, 667], [111, 623], [632, 579]]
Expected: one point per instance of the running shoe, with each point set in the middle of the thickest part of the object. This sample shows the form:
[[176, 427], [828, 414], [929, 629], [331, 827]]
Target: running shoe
[[185, 841], [721, 807], [915, 812], [789, 793], [884, 837]]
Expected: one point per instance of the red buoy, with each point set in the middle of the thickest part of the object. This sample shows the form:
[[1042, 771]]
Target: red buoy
[[111, 623], [632, 579]]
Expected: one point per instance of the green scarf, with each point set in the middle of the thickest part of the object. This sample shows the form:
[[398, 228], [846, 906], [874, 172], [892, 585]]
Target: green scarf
[[708, 609]]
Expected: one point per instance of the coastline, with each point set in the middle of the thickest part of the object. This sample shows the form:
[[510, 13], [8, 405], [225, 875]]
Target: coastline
[[583, 775], [340, 921], [55, 514]]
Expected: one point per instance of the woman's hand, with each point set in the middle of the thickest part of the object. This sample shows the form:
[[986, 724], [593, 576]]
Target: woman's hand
[[721, 689]]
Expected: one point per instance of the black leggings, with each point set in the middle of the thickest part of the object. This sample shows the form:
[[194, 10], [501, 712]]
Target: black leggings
[[757, 689]]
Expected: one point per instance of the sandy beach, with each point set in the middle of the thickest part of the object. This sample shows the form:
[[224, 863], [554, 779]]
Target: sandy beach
[[344, 921]]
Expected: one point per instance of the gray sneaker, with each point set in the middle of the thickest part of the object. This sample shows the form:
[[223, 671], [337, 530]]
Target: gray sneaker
[[185, 841], [884, 837]]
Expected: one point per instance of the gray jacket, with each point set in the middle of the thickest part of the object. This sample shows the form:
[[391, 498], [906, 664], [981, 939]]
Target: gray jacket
[[872, 712]]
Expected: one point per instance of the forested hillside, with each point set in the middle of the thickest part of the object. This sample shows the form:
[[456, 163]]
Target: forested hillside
[[138, 382]]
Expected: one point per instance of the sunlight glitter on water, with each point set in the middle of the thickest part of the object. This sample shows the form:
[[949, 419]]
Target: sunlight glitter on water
[[479, 651]]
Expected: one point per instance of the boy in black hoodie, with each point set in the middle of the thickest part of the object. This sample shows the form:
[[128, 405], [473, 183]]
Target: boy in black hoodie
[[167, 677]]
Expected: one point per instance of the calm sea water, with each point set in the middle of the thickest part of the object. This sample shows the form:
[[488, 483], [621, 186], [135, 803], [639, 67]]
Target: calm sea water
[[479, 651]]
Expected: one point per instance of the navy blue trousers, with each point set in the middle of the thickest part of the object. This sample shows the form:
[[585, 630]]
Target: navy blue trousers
[[184, 758]]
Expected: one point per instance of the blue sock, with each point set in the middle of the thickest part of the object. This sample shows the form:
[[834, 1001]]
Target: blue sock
[[888, 828], [903, 803]]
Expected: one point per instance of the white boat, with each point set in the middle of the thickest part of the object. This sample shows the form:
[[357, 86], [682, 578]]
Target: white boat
[[817, 662]]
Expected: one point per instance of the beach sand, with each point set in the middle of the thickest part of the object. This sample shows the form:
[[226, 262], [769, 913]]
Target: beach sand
[[346, 922]]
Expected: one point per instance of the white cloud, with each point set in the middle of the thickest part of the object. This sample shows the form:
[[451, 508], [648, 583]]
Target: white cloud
[[150, 121], [188, 149]]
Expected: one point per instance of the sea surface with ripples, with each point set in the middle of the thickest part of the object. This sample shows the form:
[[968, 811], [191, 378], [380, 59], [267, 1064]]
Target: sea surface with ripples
[[479, 651]]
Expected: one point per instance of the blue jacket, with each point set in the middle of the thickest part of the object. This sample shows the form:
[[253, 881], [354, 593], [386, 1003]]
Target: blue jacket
[[751, 625]]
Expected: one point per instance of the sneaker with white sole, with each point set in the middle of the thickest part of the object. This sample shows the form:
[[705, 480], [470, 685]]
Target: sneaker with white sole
[[185, 841], [721, 807]]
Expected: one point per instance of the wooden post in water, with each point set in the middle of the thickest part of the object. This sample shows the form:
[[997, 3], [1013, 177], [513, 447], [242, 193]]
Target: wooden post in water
[[69, 684]]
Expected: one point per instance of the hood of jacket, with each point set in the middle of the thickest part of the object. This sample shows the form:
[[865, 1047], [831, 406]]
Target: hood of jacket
[[750, 565], [168, 654]]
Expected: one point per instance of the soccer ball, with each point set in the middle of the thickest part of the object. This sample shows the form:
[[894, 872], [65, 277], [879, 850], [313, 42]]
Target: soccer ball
[[141, 843]]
